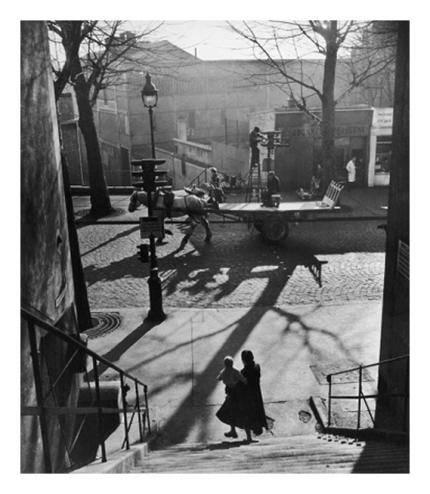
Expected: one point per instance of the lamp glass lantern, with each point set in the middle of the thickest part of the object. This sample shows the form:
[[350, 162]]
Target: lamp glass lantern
[[149, 93]]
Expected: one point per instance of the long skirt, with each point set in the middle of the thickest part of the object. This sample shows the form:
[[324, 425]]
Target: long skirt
[[243, 408]]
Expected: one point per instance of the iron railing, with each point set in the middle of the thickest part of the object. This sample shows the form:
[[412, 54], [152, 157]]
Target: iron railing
[[46, 393], [360, 396], [201, 178]]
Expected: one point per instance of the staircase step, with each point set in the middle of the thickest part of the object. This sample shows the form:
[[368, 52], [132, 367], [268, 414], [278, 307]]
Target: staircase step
[[297, 454]]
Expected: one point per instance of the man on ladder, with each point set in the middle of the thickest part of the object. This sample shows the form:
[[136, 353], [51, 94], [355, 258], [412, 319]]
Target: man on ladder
[[254, 177], [254, 139]]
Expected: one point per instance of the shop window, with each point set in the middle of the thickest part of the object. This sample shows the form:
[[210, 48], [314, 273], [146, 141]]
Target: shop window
[[383, 154]]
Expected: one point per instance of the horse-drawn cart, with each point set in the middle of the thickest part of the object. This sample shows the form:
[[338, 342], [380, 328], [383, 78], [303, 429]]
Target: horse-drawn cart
[[273, 222]]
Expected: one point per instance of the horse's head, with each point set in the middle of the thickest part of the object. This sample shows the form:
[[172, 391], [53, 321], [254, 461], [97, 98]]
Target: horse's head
[[136, 199]]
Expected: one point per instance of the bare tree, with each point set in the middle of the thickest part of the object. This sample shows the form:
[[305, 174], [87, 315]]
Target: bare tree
[[92, 57], [326, 39]]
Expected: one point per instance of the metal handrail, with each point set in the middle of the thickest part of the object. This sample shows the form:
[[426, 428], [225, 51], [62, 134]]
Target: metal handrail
[[382, 362], [361, 396], [197, 178], [43, 411], [50, 327]]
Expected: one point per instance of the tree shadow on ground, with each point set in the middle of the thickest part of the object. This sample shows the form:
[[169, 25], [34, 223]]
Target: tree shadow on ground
[[306, 331], [122, 234], [180, 423], [128, 267], [242, 257], [83, 217], [115, 353], [222, 274]]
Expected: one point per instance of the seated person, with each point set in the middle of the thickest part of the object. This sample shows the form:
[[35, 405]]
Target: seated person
[[316, 181]]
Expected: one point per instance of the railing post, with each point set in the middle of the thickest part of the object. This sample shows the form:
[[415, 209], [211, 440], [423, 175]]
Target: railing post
[[99, 410], [360, 373], [136, 387], [39, 396], [147, 409], [124, 409], [329, 401]]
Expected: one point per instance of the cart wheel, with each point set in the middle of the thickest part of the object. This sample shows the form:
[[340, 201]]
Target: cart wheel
[[275, 230], [258, 225]]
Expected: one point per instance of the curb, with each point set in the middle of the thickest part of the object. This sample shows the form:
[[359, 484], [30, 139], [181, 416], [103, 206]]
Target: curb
[[119, 462]]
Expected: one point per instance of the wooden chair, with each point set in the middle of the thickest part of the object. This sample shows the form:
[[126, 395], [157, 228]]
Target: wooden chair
[[332, 194]]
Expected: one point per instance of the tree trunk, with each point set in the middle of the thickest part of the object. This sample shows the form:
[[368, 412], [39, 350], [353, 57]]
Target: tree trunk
[[328, 105], [100, 202]]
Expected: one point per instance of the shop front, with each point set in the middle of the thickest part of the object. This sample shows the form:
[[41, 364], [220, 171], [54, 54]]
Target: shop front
[[295, 164], [380, 147]]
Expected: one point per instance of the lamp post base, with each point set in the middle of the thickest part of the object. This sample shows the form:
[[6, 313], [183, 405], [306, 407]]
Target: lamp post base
[[155, 313]]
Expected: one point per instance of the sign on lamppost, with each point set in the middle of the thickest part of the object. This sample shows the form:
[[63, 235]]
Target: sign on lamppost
[[151, 226]]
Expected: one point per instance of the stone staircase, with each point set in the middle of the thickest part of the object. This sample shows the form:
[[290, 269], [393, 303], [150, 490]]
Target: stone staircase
[[296, 454]]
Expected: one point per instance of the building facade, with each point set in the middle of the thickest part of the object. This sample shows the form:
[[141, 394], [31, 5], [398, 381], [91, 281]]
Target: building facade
[[363, 132], [206, 102]]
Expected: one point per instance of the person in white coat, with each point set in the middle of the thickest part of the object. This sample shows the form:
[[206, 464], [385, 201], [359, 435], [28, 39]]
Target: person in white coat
[[351, 171]]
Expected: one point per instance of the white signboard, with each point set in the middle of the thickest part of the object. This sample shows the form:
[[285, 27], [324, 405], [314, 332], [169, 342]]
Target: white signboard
[[382, 118]]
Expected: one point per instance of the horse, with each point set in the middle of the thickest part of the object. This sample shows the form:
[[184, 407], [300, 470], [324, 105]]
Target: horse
[[174, 204]]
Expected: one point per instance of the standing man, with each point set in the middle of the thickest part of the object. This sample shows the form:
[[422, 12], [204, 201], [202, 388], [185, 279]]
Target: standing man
[[351, 170], [254, 138], [216, 192], [273, 187]]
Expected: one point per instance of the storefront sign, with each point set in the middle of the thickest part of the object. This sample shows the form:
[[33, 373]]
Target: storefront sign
[[382, 118], [339, 131]]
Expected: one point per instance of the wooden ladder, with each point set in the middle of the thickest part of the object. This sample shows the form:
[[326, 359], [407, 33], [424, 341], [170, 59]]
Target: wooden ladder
[[254, 186]]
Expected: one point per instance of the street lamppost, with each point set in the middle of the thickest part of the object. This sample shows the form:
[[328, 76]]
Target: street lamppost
[[150, 98]]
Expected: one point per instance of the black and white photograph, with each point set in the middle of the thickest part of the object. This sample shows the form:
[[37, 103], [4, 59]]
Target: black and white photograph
[[214, 244]]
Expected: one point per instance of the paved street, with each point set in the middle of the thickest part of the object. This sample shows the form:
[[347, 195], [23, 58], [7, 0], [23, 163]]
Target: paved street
[[237, 269]]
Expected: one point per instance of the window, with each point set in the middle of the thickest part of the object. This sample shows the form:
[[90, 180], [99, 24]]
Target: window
[[192, 119], [383, 154]]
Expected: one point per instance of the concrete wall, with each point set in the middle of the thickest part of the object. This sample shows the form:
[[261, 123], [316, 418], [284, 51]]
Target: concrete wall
[[46, 271], [181, 171], [194, 150], [230, 159]]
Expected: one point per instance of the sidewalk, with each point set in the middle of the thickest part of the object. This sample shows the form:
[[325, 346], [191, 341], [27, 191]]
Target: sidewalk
[[180, 358]]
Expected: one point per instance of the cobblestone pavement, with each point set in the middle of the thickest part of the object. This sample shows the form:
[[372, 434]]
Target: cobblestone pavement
[[237, 269]]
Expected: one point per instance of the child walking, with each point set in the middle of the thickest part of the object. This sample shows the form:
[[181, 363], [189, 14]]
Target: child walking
[[231, 377]]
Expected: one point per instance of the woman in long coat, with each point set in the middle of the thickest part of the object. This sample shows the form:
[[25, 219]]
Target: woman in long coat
[[245, 409]]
